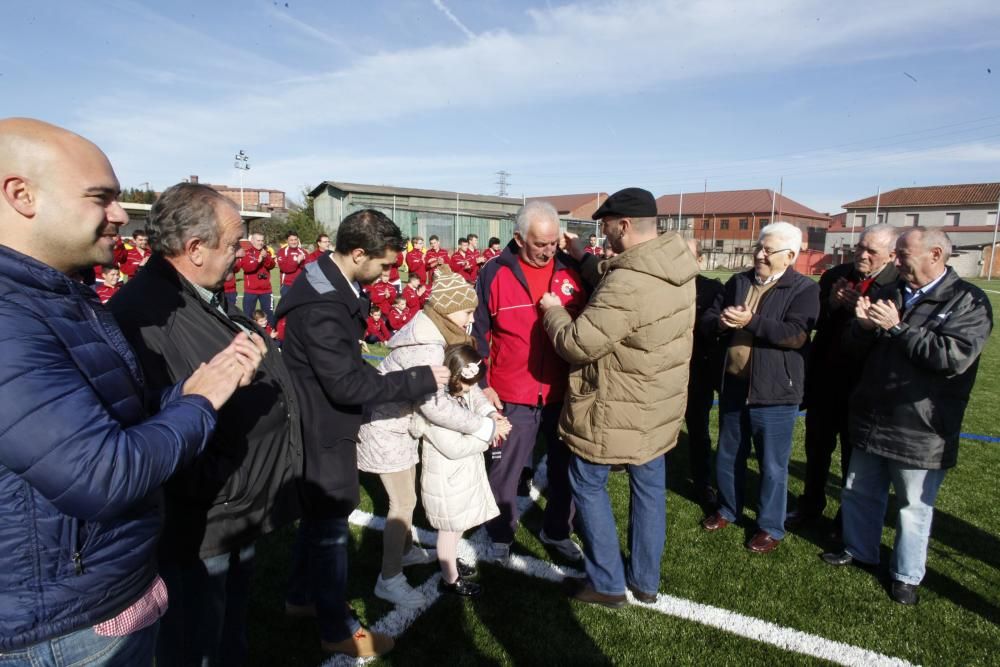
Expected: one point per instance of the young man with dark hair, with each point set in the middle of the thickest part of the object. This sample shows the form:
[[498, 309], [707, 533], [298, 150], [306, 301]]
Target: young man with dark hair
[[323, 246], [463, 262], [325, 318], [290, 260], [493, 251], [436, 256], [138, 254]]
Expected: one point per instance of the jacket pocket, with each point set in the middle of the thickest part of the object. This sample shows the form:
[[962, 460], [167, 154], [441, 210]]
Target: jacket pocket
[[79, 541]]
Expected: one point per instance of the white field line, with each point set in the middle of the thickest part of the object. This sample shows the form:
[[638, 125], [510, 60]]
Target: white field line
[[478, 547]]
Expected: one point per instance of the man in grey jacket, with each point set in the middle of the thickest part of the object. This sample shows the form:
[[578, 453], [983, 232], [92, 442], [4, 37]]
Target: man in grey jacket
[[921, 338]]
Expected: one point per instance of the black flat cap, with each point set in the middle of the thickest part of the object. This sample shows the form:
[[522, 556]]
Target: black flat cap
[[628, 203]]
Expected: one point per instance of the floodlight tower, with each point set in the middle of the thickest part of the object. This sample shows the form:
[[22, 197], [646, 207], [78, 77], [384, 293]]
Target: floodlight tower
[[243, 164]]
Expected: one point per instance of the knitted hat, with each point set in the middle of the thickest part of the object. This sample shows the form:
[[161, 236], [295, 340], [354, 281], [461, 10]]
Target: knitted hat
[[451, 293]]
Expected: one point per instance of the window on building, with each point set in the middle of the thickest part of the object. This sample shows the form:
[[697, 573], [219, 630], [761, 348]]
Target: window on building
[[264, 198], [744, 225], [763, 221], [991, 217], [912, 219], [706, 225], [724, 224], [860, 220], [951, 219], [718, 244]]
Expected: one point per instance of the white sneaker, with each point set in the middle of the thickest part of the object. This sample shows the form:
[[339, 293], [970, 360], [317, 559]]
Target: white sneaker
[[566, 547], [500, 552], [419, 556], [398, 591]]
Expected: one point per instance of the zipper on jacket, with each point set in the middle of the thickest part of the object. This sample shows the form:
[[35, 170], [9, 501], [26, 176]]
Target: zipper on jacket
[[78, 563]]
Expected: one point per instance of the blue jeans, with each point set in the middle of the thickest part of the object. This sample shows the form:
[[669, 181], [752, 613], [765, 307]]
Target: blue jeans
[[86, 647], [769, 428], [230, 300], [319, 575], [205, 623], [250, 302], [647, 525], [865, 496]]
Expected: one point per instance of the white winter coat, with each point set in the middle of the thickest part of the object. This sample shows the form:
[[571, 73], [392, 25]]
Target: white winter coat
[[454, 489], [384, 442]]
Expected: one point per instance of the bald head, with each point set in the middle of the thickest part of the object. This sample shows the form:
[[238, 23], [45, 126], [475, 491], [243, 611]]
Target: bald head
[[59, 195]]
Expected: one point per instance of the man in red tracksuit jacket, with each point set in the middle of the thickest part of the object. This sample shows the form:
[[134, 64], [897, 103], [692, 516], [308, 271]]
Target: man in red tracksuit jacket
[[257, 264], [463, 262], [322, 246], [436, 256], [416, 263], [527, 379], [138, 254], [290, 261]]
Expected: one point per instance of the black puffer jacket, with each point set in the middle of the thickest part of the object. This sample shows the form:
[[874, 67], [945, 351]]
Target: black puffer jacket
[[915, 386], [244, 483], [785, 316]]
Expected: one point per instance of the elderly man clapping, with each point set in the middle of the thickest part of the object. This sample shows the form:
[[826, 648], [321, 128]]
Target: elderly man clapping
[[765, 316]]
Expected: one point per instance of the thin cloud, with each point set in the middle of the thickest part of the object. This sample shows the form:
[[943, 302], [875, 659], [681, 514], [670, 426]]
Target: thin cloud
[[454, 19], [306, 29]]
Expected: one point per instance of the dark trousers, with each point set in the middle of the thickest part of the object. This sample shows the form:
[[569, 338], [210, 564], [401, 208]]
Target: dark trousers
[[250, 302], [205, 623], [230, 299], [319, 575], [826, 419], [699, 405], [526, 423]]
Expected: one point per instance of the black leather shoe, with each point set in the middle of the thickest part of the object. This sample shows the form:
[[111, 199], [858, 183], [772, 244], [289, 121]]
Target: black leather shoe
[[465, 570], [837, 558], [798, 519], [903, 593], [461, 587]]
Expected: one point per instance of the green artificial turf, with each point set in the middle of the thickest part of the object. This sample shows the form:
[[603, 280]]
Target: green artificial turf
[[523, 621]]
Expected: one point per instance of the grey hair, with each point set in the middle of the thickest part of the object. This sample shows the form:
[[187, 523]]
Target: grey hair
[[932, 237], [532, 210], [183, 212], [890, 232], [789, 235]]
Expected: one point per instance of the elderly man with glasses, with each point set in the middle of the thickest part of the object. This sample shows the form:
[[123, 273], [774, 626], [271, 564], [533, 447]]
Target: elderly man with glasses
[[764, 317]]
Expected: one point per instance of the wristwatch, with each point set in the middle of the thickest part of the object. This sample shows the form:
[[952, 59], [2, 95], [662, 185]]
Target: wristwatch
[[896, 329]]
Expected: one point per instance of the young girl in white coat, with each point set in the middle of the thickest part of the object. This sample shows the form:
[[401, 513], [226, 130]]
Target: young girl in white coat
[[454, 489]]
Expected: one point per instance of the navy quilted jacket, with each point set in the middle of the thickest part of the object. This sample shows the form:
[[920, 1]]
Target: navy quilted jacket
[[80, 464]]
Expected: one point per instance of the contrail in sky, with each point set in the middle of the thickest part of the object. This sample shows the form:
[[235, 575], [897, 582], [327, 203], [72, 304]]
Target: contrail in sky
[[454, 19]]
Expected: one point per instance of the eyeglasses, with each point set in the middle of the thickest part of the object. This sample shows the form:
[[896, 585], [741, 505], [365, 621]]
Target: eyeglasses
[[768, 251]]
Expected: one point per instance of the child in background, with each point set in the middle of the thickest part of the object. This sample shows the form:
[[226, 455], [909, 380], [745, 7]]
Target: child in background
[[454, 489], [260, 319], [415, 293], [111, 277], [376, 331], [399, 314]]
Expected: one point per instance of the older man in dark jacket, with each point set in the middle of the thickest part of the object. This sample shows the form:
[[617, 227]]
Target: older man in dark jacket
[[243, 484], [766, 315], [81, 459], [831, 375], [922, 338], [326, 311]]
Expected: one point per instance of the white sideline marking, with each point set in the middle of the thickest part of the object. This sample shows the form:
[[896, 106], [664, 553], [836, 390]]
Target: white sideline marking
[[478, 547]]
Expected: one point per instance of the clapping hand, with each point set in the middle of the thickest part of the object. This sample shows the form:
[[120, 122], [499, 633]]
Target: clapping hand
[[736, 317], [843, 295]]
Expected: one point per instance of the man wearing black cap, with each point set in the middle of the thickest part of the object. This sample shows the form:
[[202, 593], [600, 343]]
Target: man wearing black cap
[[629, 358]]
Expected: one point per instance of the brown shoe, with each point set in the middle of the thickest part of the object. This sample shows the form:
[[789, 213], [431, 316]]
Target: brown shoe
[[714, 522], [762, 543], [364, 644], [584, 592], [642, 596]]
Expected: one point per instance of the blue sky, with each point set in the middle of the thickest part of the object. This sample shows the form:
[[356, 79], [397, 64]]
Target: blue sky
[[836, 98]]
